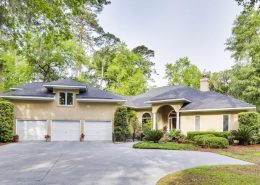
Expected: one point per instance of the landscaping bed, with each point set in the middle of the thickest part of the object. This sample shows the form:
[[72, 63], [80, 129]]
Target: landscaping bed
[[164, 146], [214, 175]]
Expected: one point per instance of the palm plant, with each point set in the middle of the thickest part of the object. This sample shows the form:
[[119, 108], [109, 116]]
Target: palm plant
[[243, 135]]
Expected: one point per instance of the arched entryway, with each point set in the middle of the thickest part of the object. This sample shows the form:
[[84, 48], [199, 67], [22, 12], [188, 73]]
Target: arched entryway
[[163, 114]]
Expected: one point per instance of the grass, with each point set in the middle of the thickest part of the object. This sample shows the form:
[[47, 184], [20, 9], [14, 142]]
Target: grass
[[245, 153], [164, 146], [214, 175], [1, 144]]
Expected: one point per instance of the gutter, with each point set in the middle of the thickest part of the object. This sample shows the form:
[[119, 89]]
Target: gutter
[[168, 100], [100, 100], [28, 98], [64, 87], [220, 109]]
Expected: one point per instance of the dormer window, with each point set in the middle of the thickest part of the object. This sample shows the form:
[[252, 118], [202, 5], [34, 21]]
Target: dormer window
[[66, 98]]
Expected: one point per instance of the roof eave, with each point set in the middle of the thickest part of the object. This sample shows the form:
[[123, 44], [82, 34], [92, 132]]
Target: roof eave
[[133, 107], [65, 87], [28, 98], [100, 100], [168, 100], [220, 109]]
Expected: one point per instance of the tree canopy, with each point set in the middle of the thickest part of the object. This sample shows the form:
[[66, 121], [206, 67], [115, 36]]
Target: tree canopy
[[182, 72]]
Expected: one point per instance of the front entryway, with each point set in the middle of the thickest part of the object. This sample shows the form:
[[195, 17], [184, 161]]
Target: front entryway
[[98, 130], [31, 130], [65, 130]]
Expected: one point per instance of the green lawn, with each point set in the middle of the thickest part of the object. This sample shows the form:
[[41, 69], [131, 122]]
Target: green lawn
[[214, 175], [164, 146], [250, 153], [245, 155]]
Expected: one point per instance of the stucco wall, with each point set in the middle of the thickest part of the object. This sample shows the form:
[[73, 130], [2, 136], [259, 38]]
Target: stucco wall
[[42, 110], [210, 121]]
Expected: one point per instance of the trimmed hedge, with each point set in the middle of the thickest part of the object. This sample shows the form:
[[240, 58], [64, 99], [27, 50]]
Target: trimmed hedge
[[211, 141], [6, 121], [248, 118], [191, 135]]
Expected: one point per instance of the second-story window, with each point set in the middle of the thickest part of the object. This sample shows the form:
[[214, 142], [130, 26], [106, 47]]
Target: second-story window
[[66, 98]]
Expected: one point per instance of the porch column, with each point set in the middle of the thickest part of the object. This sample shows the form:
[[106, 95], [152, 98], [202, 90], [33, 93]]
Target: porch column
[[154, 121], [177, 121]]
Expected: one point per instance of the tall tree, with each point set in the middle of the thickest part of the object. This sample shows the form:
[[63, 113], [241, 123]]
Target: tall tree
[[220, 81], [51, 37], [244, 44], [182, 72], [128, 73], [248, 3]]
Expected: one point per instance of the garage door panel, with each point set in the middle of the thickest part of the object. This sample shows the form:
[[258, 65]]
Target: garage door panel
[[98, 130], [31, 130], [65, 130]]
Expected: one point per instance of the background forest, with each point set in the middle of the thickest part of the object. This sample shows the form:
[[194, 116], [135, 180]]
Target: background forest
[[44, 40]]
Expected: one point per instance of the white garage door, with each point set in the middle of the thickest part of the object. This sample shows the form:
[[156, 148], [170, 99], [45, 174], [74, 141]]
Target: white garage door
[[29, 130], [98, 130], [65, 131]]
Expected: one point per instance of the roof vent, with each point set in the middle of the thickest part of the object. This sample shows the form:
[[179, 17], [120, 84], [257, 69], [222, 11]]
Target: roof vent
[[204, 84]]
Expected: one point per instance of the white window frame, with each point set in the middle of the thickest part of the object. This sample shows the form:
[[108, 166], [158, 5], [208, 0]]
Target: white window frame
[[66, 97], [228, 122], [195, 122]]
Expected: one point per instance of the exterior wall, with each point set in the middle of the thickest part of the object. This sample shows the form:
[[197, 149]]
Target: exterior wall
[[51, 110], [210, 121]]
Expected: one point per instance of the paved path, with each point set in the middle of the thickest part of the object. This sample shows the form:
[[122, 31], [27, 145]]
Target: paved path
[[75, 163]]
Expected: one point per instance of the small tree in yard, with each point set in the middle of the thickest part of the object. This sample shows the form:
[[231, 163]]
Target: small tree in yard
[[6, 121], [134, 123], [121, 127]]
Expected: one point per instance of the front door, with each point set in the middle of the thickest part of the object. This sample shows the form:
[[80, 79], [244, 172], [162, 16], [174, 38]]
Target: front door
[[172, 120], [172, 123]]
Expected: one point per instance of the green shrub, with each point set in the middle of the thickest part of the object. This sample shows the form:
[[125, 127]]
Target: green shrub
[[121, 127], [153, 135], [202, 139], [244, 135], [6, 121], [191, 135], [249, 119], [211, 141], [175, 135], [217, 142]]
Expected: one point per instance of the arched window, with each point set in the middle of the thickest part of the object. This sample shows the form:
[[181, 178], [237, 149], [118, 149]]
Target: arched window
[[146, 118]]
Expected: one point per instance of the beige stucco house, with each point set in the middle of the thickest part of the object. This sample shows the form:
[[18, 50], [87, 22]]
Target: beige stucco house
[[65, 109]]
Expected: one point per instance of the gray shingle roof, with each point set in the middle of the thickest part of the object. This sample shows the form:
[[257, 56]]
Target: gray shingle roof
[[31, 89], [198, 99], [95, 93], [37, 89], [64, 82]]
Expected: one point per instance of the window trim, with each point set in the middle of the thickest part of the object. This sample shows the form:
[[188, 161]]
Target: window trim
[[66, 99], [227, 123], [195, 123]]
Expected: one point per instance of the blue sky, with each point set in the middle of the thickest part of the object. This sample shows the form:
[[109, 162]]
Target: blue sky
[[197, 29]]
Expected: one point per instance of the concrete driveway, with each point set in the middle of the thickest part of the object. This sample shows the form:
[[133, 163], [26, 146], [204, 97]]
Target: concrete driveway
[[73, 163]]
